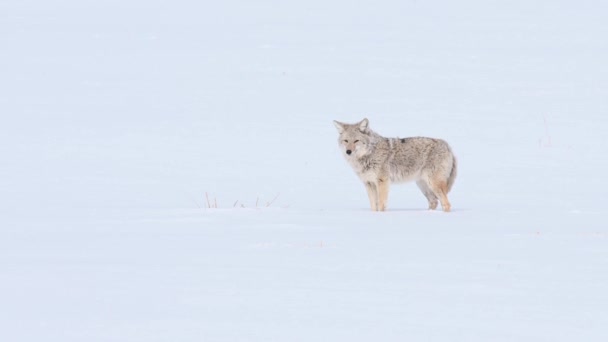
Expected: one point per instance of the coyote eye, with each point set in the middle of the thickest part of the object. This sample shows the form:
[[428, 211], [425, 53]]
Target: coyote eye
[[356, 141], [346, 141]]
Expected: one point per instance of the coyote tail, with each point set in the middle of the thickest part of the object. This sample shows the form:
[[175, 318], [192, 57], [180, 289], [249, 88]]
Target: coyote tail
[[453, 173]]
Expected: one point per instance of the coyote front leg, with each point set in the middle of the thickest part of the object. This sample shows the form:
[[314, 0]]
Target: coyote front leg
[[382, 186], [372, 193]]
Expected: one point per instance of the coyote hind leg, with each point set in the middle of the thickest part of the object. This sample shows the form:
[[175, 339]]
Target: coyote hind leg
[[440, 189], [430, 196]]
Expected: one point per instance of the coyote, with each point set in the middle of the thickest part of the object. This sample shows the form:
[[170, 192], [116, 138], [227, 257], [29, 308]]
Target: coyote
[[380, 161]]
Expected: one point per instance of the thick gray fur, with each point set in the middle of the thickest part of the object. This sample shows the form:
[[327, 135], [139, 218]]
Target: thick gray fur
[[380, 161]]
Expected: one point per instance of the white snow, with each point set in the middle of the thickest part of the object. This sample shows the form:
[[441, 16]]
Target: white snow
[[117, 117]]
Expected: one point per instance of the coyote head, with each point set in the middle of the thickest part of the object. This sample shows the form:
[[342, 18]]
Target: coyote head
[[354, 139]]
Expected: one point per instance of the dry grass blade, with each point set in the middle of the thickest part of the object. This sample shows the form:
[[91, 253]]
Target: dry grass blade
[[268, 204]]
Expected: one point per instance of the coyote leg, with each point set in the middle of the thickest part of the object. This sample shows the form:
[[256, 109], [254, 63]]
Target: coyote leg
[[430, 196], [372, 193], [383, 185], [440, 189]]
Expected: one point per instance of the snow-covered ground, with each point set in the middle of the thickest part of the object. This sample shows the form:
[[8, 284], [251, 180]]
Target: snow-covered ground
[[120, 118]]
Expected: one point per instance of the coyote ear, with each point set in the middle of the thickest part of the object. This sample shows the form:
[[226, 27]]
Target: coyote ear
[[339, 126], [363, 125]]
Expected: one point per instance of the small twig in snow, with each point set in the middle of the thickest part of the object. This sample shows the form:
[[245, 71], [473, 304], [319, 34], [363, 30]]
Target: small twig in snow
[[274, 199]]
